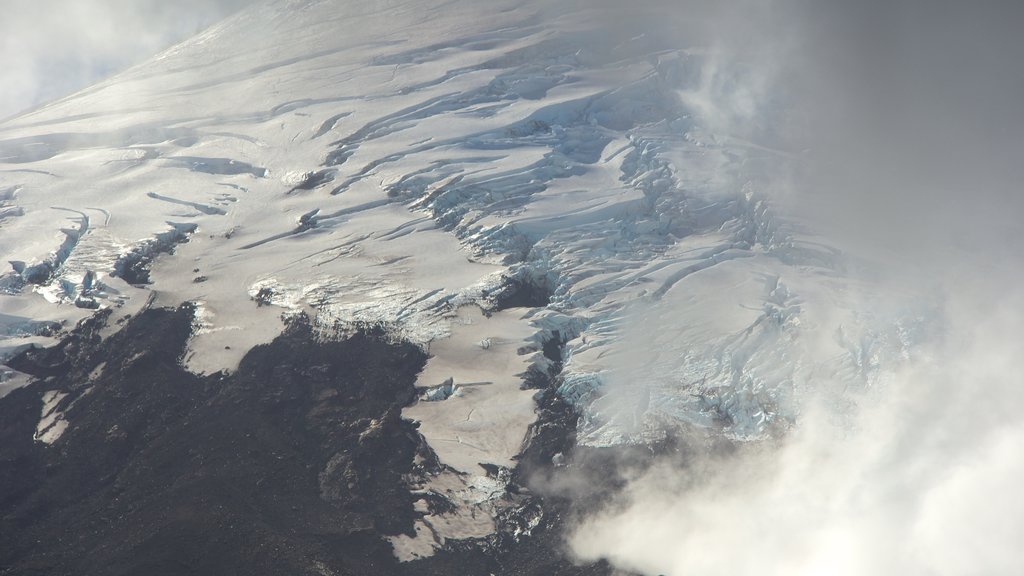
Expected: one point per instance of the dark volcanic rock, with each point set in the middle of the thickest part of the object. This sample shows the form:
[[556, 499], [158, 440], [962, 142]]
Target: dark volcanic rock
[[134, 266], [521, 292], [294, 460], [298, 463]]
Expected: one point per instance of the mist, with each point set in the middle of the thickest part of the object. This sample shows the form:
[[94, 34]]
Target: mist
[[905, 125], [923, 480], [50, 49]]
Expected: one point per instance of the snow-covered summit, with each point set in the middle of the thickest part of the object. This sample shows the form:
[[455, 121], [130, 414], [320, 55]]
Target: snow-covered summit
[[408, 163]]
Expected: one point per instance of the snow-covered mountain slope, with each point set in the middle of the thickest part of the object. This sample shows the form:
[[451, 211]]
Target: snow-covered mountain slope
[[490, 181]]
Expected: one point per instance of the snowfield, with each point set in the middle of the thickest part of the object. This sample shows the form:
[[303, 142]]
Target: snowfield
[[420, 164]]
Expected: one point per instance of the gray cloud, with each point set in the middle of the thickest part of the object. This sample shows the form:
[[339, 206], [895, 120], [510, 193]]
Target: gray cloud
[[51, 48], [905, 118], [917, 123]]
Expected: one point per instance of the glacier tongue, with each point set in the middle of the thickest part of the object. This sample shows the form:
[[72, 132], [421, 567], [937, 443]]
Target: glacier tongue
[[381, 176]]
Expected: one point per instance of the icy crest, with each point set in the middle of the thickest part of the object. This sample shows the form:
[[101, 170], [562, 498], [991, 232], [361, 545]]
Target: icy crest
[[274, 165]]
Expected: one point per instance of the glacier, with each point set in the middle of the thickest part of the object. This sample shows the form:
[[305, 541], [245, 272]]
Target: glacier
[[407, 173]]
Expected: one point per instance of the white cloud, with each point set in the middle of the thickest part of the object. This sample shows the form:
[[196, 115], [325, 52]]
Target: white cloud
[[924, 481], [51, 48]]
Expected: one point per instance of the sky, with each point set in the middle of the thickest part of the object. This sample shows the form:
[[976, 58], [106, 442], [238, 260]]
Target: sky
[[52, 48]]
